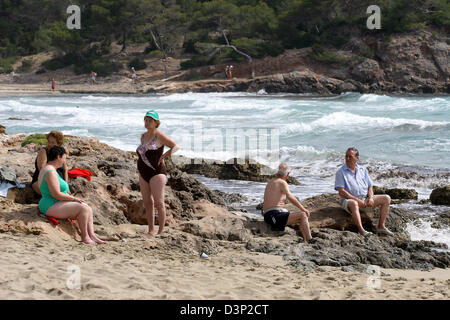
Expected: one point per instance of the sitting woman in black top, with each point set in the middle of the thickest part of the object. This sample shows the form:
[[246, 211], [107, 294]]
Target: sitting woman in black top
[[54, 138]]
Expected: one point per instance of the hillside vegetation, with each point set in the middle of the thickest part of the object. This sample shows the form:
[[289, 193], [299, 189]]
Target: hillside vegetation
[[200, 31]]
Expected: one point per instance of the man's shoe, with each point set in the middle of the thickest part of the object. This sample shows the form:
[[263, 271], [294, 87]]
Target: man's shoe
[[386, 232]]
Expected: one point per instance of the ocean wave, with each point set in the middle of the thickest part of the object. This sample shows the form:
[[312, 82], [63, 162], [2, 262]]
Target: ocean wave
[[346, 121], [115, 99], [192, 96], [422, 230], [375, 98], [18, 107]]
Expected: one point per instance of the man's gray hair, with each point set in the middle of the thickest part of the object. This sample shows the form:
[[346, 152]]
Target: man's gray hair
[[283, 170], [355, 150]]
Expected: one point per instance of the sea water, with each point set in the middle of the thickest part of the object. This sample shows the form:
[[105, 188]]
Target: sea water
[[310, 133]]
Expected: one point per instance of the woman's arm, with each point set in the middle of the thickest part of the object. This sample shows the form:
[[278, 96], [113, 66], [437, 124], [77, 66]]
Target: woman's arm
[[166, 141], [54, 188], [41, 159], [66, 174]]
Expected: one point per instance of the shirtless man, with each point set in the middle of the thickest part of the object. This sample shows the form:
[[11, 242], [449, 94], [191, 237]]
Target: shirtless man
[[275, 195]]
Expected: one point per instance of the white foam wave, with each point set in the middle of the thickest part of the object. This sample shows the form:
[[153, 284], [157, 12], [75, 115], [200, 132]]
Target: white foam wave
[[15, 106], [343, 121], [192, 96], [422, 230]]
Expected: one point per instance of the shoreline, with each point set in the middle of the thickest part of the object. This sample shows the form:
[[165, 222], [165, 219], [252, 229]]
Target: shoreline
[[119, 88], [271, 85]]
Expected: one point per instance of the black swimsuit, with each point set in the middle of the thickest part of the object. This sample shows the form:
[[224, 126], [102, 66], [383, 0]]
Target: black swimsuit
[[149, 155], [36, 171]]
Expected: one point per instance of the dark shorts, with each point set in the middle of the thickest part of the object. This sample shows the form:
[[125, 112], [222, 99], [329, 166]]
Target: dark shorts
[[277, 219]]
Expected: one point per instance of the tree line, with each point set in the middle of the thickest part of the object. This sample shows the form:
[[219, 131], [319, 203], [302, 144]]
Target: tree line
[[204, 31]]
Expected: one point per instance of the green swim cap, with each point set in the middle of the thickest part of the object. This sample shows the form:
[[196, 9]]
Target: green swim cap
[[153, 114]]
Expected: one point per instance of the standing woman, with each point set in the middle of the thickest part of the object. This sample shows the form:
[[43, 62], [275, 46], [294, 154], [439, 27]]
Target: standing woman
[[54, 138], [152, 170], [56, 202]]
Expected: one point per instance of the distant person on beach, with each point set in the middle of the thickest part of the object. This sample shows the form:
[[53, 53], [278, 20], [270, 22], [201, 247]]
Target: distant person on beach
[[93, 76], [230, 73], [53, 85], [56, 202], [133, 74], [227, 69], [356, 190], [152, 170], [275, 214], [54, 138]]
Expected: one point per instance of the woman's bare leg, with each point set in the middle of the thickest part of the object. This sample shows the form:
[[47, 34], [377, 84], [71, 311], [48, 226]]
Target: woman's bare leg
[[72, 210], [91, 232], [157, 184], [148, 205]]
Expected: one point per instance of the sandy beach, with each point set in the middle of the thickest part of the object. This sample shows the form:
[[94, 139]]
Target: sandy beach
[[35, 268], [131, 266]]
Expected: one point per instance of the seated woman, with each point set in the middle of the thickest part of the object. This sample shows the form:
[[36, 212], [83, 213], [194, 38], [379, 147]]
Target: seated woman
[[57, 203], [54, 138]]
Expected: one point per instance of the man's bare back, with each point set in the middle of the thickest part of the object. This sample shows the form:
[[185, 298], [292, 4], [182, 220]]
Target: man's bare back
[[274, 195]]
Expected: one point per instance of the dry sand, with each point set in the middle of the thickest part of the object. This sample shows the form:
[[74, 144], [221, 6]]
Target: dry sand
[[36, 267]]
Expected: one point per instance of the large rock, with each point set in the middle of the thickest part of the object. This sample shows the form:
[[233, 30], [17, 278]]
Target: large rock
[[415, 61], [441, 220], [23, 219], [397, 193], [440, 196], [181, 181], [367, 71], [326, 213], [2, 129]]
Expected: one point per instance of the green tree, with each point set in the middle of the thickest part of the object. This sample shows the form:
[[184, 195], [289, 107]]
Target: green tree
[[122, 17]]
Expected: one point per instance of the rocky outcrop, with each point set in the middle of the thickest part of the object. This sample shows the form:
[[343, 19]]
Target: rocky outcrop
[[367, 71], [441, 220], [416, 62], [181, 181], [440, 196], [113, 191], [2, 129], [227, 170], [200, 222], [326, 213], [397, 193], [336, 241]]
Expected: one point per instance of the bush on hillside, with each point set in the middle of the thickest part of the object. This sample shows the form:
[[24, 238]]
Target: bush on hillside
[[137, 63], [101, 65]]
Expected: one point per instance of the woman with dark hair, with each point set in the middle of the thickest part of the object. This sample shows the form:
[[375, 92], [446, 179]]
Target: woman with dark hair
[[56, 202], [152, 170], [54, 138]]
